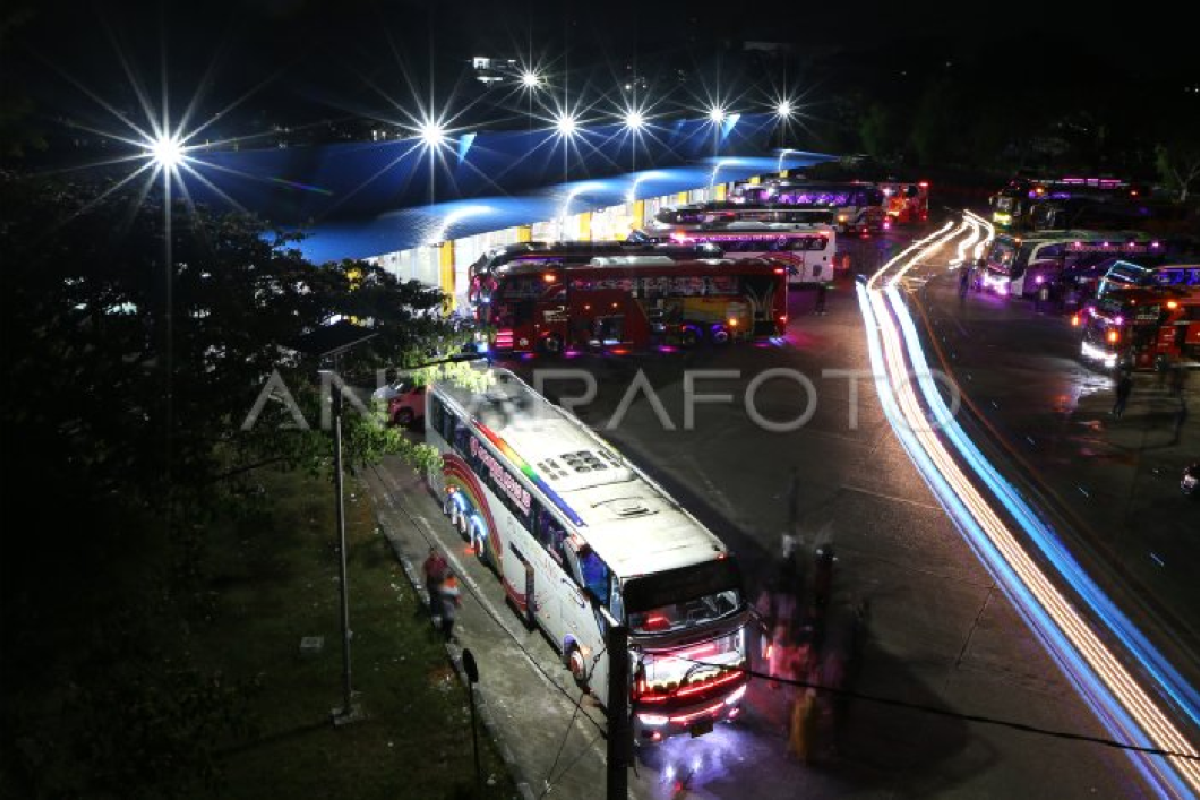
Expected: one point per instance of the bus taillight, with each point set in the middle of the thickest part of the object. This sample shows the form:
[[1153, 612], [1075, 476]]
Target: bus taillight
[[779, 270]]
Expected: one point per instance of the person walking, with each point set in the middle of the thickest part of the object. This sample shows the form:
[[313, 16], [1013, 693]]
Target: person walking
[[451, 600], [821, 289], [1124, 389], [1161, 365], [1178, 378], [1180, 418], [964, 282], [435, 569]]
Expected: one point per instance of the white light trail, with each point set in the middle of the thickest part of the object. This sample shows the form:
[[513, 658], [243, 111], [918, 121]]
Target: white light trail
[[1031, 590]]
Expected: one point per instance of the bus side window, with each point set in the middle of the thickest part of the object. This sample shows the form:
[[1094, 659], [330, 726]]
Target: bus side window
[[616, 602], [449, 426], [462, 444], [437, 411], [552, 536], [594, 573]]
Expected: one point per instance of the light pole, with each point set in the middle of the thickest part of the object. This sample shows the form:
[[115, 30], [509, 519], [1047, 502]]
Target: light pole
[[530, 80], [348, 712], [716, 115], [566, 125]]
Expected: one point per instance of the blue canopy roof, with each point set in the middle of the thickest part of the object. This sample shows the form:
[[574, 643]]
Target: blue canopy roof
[[411, 227]]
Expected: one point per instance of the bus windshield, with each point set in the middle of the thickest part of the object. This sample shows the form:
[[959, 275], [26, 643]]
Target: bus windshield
[[682, 598]]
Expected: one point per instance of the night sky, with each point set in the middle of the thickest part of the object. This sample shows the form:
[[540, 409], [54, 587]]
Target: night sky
[[300, 60]]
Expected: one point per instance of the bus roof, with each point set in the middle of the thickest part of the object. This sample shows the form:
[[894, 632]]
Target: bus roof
[[628, 519]]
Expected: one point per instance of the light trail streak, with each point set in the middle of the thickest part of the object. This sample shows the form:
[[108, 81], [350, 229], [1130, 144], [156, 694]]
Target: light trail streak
[[1110, 689], [1183, 695]]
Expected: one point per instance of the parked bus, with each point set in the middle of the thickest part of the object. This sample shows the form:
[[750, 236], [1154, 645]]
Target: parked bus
[[632, 303], [857, 206], [725, 212], [484, 272], [1018, 265], [807, 251], [1138, 325], [1028, 204], [905, 202], [577, 536]]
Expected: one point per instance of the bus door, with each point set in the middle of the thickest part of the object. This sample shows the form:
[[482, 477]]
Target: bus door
[[583, 614], [759, 290]]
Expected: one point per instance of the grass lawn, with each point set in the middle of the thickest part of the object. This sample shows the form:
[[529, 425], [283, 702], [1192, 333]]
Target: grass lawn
[[275, 581]]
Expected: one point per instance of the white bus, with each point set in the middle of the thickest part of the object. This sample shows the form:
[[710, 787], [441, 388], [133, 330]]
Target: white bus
[[572, 529], [806, 250], [1018, 265]]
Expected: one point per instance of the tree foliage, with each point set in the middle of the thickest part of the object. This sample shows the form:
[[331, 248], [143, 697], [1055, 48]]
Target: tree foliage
[[134, 349]]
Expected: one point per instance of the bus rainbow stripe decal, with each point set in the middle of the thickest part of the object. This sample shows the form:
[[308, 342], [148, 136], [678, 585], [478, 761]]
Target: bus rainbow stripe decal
[[529, 473], [459, 476]]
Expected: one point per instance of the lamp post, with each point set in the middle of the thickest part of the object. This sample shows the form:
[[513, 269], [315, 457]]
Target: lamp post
[[348, 712], [716, 115]]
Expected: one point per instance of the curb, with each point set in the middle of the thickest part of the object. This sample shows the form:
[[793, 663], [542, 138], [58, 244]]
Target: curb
[[524, 787]]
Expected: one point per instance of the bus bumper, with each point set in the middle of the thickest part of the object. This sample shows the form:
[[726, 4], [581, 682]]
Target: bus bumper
[[652, 726]]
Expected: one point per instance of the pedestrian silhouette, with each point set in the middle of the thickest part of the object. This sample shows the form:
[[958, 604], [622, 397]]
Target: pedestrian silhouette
[[1180, 418], [1124, 389]]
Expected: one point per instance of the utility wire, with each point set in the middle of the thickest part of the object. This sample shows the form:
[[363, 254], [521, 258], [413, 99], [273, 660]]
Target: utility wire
[[549, 783], [944, 712]]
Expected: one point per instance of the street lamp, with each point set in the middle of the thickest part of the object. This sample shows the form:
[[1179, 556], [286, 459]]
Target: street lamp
[[634, 120], [566, 125], [167, 152], [530, 79], [783, 109], [348, 712], [432, 133], [716, 115]]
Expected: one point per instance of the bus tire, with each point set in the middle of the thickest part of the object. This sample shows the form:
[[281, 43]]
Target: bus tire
[[552, 344], [577, 665], [688, 337]]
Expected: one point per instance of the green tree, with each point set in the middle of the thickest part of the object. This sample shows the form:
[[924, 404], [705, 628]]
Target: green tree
[[124, 432], [1178, 164]]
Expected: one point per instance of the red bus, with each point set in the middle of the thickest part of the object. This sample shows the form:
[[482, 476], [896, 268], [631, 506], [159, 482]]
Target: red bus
[[634, 303], [1137, 326]]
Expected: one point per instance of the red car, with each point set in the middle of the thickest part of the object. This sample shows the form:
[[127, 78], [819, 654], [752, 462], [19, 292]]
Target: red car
[[406, 407]]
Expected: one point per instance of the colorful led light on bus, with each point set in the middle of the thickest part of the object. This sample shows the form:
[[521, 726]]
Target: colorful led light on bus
[[529, 473]]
